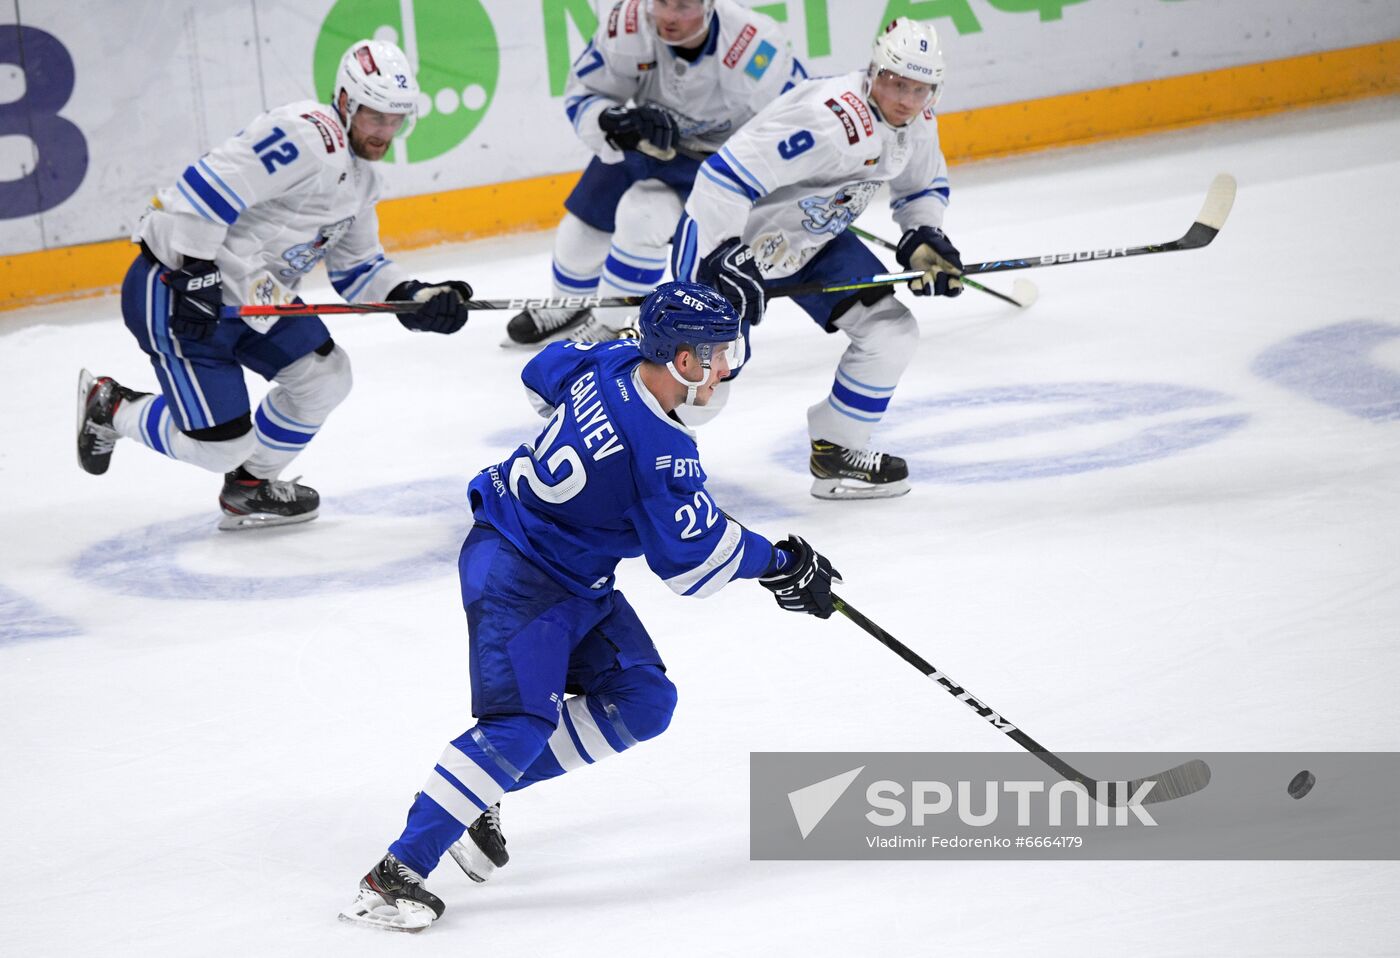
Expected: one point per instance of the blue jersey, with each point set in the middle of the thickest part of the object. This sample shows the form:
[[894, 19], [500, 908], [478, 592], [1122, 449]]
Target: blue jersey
[[611, 476]]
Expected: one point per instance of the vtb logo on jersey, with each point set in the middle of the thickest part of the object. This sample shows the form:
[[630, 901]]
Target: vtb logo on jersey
[[679, 467]]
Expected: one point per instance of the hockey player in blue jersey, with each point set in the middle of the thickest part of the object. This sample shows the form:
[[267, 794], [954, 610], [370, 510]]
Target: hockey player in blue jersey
[[246, 223], [613, 474]]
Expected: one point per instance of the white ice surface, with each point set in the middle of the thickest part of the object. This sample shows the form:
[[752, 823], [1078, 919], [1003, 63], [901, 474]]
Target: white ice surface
[[183, 774]]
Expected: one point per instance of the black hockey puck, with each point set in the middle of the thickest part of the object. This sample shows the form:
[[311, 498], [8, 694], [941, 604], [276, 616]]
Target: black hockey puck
[[1302, 784]]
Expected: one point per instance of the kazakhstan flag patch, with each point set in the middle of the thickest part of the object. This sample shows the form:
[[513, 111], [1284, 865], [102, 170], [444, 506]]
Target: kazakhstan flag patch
[[761, 59]]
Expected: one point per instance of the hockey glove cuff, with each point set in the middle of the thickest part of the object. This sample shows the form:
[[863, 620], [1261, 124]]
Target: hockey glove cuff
[[803, 582], [444, 308], [196, 297], [929, 249], [731, 270]]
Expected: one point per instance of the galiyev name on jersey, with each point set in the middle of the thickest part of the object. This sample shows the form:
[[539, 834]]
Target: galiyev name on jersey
[[611, 476]]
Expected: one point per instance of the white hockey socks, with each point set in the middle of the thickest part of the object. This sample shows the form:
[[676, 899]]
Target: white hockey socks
[[579, 251], [148, 421], [295, 408], [883, 339]]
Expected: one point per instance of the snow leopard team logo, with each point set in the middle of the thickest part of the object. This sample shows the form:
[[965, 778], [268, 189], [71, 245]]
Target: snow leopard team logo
[[303, 256], [451, 43], [832, 214]]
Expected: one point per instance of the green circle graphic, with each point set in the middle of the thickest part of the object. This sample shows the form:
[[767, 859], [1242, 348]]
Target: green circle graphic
[[458, 59]]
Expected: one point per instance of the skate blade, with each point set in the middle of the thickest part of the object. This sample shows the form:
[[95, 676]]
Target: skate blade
[[855, 489], [468, 857], [262, 520], [371, 911]]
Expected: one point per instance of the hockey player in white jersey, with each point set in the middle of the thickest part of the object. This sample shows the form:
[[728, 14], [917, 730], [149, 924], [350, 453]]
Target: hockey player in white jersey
[[243, 225], [612, 474], [662, 84], [771, 208]]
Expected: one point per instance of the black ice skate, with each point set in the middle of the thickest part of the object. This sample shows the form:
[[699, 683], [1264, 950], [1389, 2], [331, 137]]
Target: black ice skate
[[392, 897], [843, 473], [483, 849], [251, 503], [535, 327], [98, 399], [594, 330]]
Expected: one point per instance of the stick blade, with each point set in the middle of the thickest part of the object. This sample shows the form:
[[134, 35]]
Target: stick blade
[[1176, 782], [1220, 198], [1025, 292]]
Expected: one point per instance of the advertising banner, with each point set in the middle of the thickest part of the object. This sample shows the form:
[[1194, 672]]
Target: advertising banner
[[103, 102]]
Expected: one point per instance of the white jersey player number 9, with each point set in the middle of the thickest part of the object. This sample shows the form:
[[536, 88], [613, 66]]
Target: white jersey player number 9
[[527, 471]]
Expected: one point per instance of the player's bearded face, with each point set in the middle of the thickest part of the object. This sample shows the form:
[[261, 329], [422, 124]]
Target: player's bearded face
[[678, 22], [899, 99], [371, 132]]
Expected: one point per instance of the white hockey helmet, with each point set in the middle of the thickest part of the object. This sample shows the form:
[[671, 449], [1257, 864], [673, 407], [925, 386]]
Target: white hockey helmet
[[909, 49], [376, 74]]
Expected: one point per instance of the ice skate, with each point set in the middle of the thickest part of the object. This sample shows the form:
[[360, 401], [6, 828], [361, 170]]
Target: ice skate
[[842, 473], [251, 503], [595, 330], [483, 849], [392, 897], [98, 398], [535, 327]]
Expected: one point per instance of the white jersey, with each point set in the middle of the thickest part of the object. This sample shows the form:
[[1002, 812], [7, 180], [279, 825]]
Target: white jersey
[[271, 203], [744, 66], [803, 169]]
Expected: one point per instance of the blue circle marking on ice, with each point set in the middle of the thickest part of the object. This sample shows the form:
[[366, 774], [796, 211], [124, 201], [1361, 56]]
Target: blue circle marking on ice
[[147, 562], [1334, 366], [22, 619], [1087, 407]]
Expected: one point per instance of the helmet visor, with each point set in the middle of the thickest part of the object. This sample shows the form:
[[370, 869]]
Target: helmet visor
[[901, 95]]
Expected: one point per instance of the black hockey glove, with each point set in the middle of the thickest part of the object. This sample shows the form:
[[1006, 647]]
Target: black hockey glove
[[639, 128], [196, 296], [444, 307], [803, 584], [731, 270], [929, 249]]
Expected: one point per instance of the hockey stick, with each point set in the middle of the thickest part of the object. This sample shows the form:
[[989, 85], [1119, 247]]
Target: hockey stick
[[540, 302], [1219, 198], [1175, 782], [1026, 293]]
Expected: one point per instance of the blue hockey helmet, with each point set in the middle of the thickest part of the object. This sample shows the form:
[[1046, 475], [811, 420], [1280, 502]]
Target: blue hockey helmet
[[689, 315], [686, 316]]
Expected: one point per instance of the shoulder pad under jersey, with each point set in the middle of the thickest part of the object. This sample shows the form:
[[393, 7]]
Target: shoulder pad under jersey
[[846, 112], [750, 41], [317, 131], [628, 39]]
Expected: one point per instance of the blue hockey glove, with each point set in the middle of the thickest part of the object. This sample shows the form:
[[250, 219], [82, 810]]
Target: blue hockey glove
[[929, 249], [444, 308], [802, 580], [639, 128], [731, 270], [196, 296]]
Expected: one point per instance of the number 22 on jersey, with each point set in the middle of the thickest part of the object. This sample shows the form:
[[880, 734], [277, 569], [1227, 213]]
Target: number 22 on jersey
[[547, 486]]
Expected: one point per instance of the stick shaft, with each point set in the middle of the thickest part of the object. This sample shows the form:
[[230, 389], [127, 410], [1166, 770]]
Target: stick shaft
[[881, 241], [1060, 766]]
